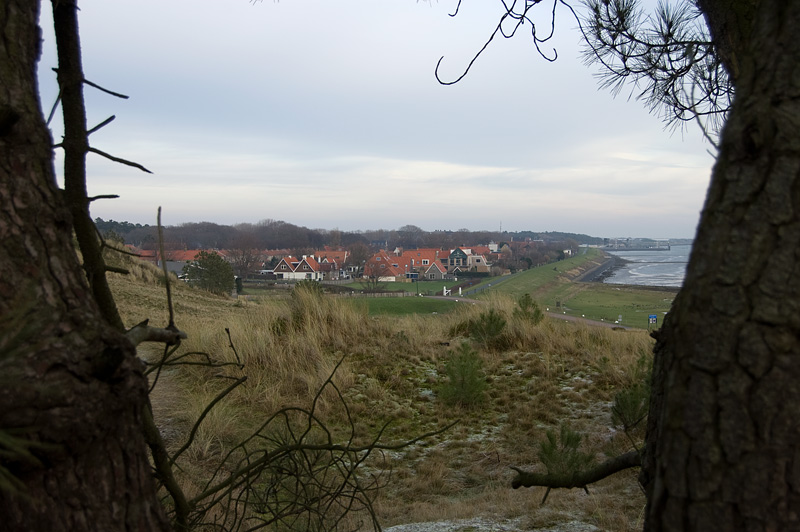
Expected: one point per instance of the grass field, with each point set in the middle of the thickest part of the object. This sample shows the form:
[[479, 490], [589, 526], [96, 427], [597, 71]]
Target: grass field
[[422, 287], [399, 306], [556, 288], [606, 302]]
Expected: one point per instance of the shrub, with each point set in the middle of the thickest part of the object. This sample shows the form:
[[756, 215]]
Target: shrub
[[632, 404], [528, 310], [560, 454], [488, 330], [466, 384], [211, 272]]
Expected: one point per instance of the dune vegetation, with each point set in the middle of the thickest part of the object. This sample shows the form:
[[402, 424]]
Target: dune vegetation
[[499, 368]]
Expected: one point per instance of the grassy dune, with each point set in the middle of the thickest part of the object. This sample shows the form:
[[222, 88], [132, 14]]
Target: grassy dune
[[393, 369]]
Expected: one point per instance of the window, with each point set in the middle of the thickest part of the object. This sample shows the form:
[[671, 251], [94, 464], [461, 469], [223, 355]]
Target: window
[[425, 262]]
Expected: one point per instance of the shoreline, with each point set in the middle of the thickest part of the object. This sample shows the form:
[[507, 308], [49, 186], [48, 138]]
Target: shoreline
[[605, 270], [611, 265]]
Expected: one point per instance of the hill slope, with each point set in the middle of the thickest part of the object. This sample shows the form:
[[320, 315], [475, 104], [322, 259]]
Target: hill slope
[[393, 371]]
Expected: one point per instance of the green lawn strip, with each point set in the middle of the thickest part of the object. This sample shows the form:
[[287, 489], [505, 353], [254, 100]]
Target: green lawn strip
[[398, 306], [606, 302], [424, 287], [553, 286]]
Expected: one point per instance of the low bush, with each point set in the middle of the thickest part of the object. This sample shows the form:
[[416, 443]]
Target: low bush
[[466, 383], [528, 310]]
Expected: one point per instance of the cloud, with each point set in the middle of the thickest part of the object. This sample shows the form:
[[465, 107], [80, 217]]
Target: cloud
[[327, 114]]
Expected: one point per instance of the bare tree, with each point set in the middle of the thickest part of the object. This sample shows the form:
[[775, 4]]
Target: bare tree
[[243, 254], [77, 434], [371, 280], [72, 387]]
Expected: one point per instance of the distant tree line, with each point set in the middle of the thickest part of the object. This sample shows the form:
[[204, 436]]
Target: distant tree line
[[276, 234]]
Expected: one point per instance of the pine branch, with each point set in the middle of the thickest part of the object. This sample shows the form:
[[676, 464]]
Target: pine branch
[[577, 479]]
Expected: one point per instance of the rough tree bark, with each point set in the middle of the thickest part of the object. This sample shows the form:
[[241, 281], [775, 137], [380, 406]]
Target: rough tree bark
[[71, 389], [723, 449]]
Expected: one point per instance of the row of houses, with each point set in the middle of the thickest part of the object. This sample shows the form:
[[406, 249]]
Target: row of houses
[[427, 264], [399, 265], [326, 264], [334, 264]]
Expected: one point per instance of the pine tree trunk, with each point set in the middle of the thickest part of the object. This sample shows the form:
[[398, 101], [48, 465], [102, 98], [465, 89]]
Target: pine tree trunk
[[71, 389], [723, 450]]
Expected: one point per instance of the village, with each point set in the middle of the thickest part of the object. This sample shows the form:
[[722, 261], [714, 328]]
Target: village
[[398, 265]]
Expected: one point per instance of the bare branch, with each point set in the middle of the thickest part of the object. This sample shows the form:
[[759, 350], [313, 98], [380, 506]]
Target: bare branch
[[517, 12], [102, 196], [233, 348], [115, 269], [53, 109], [98, 87], [163, 468], [293, 471], [118, 160], [164, 269], [577, 479], [101, 124], [667, 58], [220, 396], [142, 333]]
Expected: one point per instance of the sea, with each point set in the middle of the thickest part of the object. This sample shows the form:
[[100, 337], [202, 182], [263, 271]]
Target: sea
[[651, 268]]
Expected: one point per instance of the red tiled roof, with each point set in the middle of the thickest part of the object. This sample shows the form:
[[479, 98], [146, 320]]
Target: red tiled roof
[[386, 265], [481, 250], [313, 264], [416, 256], [338, 256], [184, 255]]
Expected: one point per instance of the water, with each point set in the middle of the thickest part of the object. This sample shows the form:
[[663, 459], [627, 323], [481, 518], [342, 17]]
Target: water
[[652, 268]]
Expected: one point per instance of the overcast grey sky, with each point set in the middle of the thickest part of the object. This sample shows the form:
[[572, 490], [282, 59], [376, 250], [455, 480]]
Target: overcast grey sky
[[327, 114]]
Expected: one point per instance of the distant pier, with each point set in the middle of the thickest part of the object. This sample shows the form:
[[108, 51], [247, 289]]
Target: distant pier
[[637, 245]]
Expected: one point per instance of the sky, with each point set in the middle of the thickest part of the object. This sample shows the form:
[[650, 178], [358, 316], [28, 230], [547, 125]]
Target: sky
[[327, 114]]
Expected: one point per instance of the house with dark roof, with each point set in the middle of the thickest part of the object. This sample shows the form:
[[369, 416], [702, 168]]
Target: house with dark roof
[[467, 260]]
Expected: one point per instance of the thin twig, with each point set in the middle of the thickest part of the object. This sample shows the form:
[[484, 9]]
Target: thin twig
[[203, 415], [233, 348], [53, 109], [102, 124], [102, 196], [98, 87], [119, 160], [164, 269]]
